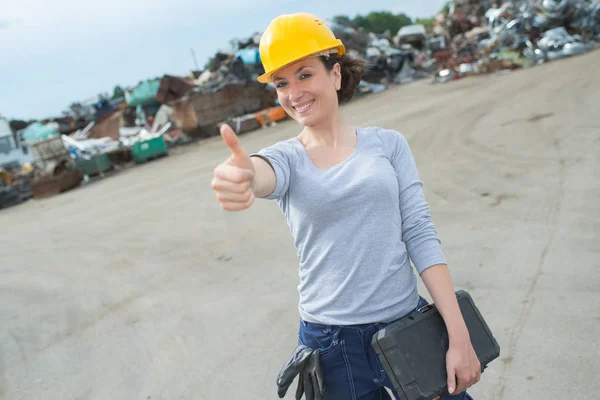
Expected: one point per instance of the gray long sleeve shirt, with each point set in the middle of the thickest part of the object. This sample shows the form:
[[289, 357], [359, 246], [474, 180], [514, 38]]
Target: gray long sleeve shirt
[[356, 226]]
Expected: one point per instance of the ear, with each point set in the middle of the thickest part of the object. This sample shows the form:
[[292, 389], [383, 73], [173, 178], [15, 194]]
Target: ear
[[337, 76]]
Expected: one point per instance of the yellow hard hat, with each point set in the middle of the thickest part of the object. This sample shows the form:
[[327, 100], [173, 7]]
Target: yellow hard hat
[[292, 37]]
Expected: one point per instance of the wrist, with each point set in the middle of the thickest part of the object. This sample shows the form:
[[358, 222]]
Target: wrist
[[459, 335]]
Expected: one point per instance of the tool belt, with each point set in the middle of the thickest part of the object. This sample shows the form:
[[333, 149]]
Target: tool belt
[[413, 349]]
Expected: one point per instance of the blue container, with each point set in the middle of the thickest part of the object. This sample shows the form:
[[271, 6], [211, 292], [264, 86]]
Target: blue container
[[249, 56]]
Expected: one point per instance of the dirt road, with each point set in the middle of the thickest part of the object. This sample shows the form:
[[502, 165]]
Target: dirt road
[[140, 287]]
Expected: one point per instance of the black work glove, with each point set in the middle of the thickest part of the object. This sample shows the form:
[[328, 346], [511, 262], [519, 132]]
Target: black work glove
[[303, 362], [310, 380]]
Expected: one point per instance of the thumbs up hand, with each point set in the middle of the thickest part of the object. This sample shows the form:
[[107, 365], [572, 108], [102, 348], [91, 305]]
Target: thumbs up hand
[[232, 181]]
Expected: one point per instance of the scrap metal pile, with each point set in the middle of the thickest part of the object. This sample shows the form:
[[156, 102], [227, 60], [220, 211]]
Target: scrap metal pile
[[196, 105], [477, 36], [486, 36], [388, 59]]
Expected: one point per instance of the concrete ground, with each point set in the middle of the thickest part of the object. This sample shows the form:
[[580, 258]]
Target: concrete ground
[[139, 286]]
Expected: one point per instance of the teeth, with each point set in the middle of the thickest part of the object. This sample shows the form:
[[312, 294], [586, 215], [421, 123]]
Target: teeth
[[304, 108]]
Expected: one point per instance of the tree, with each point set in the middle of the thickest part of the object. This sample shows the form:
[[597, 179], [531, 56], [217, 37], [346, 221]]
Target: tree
[[118, 92], [425, 21], [210, 64], [342, 20], [381, 21], [360, 22], [446, 8], [17, 124]]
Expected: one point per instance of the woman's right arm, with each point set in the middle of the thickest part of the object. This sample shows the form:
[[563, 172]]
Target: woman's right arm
[[240, 179]]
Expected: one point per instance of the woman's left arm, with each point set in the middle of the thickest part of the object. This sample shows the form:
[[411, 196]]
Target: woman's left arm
[[462, 365], [424, 248]]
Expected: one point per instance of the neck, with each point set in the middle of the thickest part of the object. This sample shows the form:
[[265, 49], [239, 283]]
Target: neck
[[332, 132]]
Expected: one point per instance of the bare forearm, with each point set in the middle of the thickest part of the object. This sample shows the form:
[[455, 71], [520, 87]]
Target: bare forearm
[[439, 284]]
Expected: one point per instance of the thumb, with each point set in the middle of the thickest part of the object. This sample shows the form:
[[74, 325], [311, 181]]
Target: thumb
[[451, 379], [240, 155]]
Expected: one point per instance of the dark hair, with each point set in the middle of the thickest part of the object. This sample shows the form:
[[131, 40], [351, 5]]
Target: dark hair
[[352, 70]]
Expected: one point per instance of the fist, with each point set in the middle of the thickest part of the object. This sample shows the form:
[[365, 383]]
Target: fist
[[232, 181]]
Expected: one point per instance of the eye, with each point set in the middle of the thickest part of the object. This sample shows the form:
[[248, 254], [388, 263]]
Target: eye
[[305, 76], [279, 85]]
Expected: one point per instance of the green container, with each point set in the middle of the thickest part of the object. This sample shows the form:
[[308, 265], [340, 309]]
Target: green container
[[143, 94], [149, 149], [96, 165]]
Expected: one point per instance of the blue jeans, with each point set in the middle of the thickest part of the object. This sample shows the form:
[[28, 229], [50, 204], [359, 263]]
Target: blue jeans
[[351, 368]]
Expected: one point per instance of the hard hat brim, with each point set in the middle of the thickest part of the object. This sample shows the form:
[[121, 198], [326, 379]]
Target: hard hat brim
[[340, 49]]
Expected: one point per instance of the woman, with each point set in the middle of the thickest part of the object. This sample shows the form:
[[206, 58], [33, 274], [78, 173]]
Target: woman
[[355, 206]]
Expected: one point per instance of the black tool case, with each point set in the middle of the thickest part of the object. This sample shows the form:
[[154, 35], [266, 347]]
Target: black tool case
[[413, 349]]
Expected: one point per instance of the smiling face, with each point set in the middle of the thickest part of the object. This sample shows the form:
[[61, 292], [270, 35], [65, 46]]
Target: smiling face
[[308, 91]]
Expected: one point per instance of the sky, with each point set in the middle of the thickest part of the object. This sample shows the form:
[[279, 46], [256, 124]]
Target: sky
[[54, 53]]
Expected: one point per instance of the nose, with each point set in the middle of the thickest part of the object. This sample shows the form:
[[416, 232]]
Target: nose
[[295, 92]]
